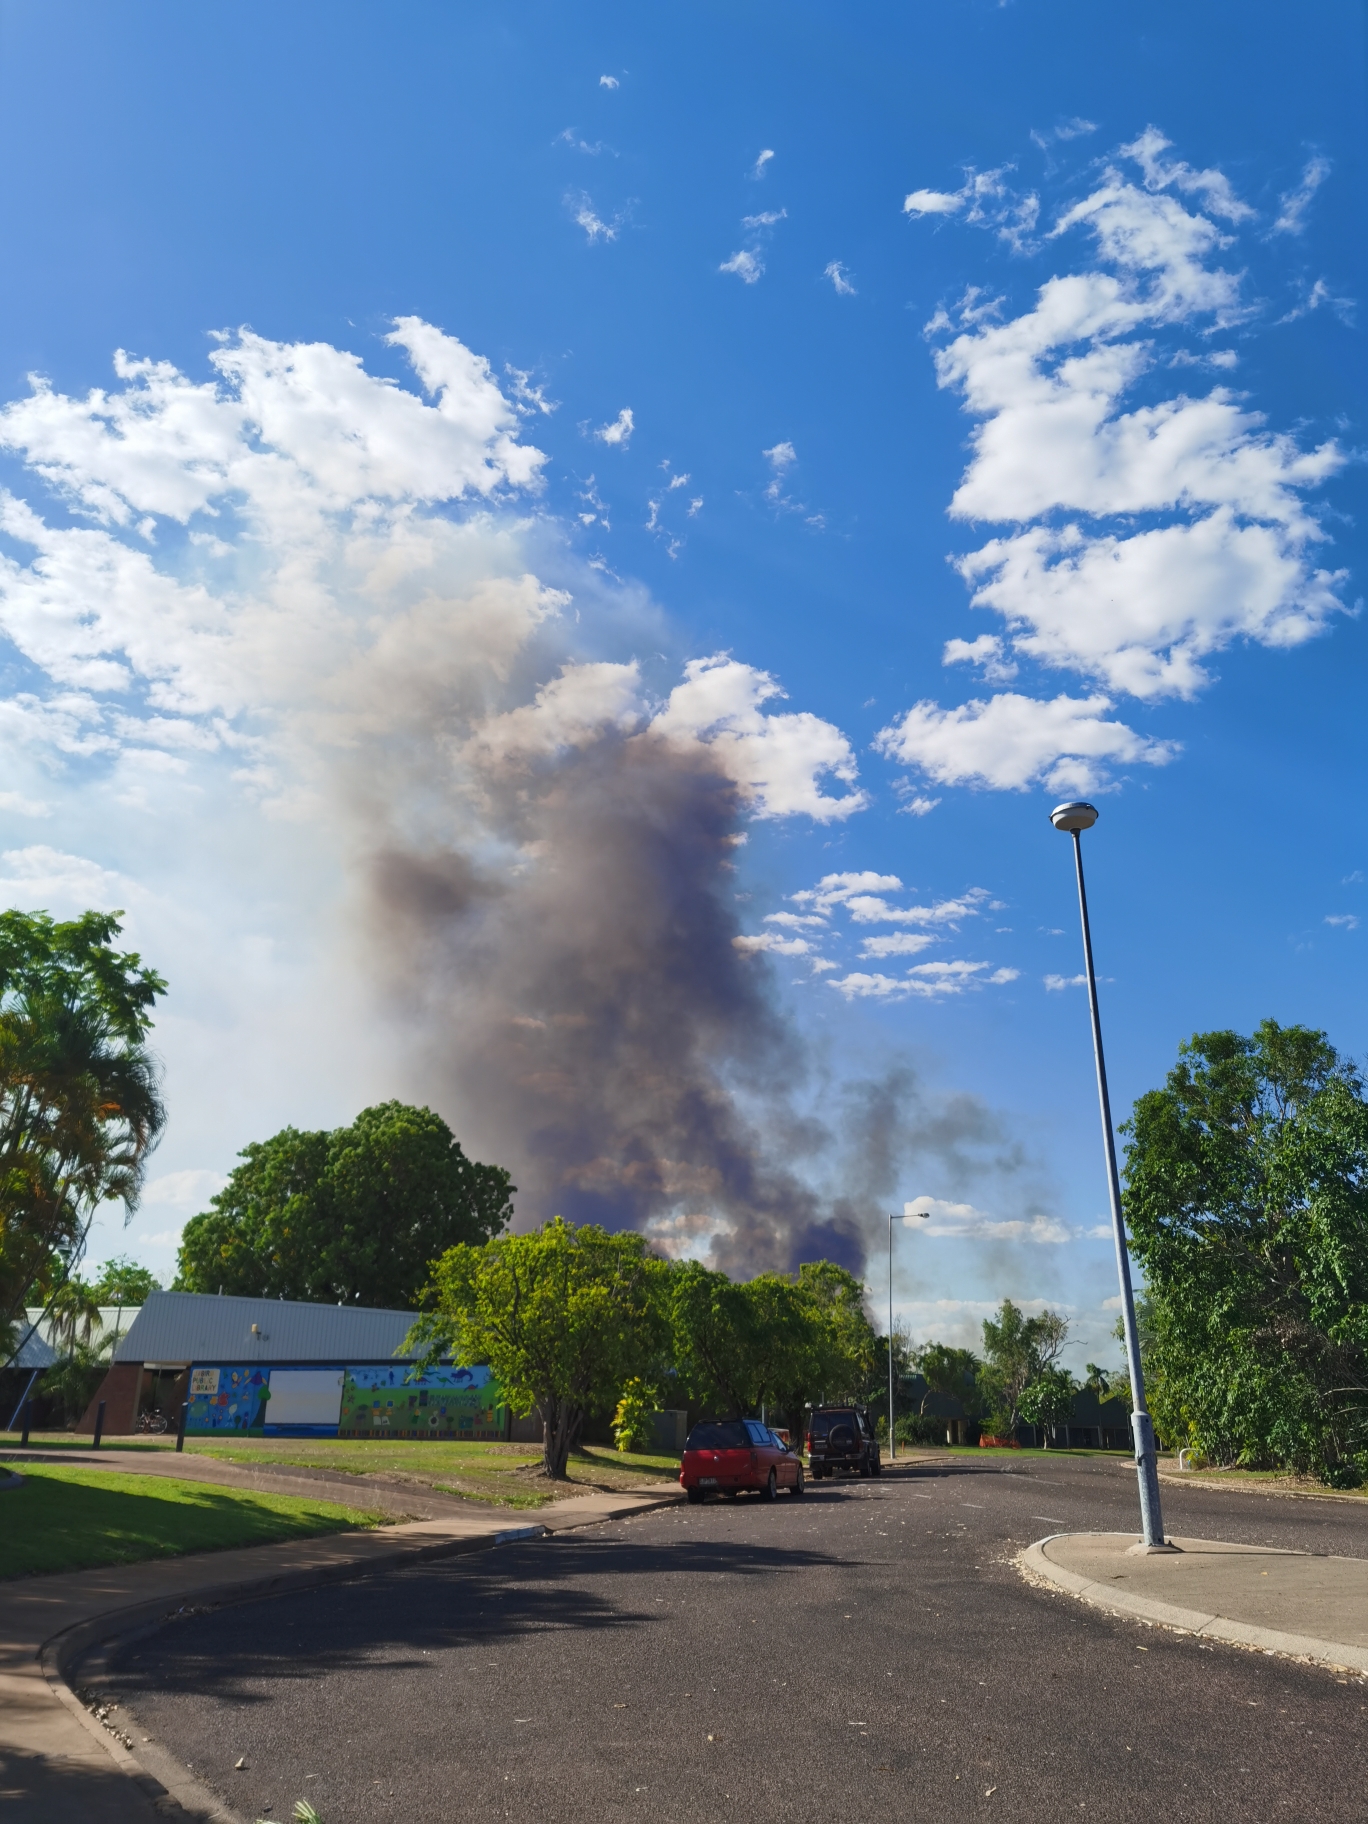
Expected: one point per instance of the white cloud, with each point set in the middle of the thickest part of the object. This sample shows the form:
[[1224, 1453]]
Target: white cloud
[[1225, 547], [48, 878], [581, 207], [1313, 297], [1347, 921], [1163, 174], [779, 761], [919, 806], [608, 82], [986, 652], [899, 943], [962, 1221], [619, 432], [772, 942], [765, 220], [758, 169], [796, 921], [747, 266], [929, 981], [986, 200], [1011, 742], [840, 278], [1064, 131], [189, 1191], [1058, 982], [1294, 203]]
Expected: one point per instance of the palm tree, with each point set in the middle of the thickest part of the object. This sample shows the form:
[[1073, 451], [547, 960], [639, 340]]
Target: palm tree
[[80, 1099]]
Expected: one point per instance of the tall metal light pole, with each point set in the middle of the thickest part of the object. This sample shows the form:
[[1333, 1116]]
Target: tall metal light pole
[[1073, 819], [892, 1218]]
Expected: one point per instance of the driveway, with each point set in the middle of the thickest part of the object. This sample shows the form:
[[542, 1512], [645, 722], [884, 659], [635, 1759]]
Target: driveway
[[869, 1650]]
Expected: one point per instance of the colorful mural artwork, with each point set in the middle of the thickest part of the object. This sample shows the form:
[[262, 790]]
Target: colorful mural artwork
[[399, 1402], [393, 1401], [228, 1399]]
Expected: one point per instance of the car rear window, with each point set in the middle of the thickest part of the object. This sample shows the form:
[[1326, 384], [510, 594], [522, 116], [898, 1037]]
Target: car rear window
[[824, 1422], [722, 1434]]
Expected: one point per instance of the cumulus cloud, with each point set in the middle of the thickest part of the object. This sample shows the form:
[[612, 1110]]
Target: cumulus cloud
[[1347, 921], [608, 82], [986, 200], [758, 168], [963, 1222], [1010, 742], [619, 432], [929, 981], [840, 279], [1056, 983], [1294, 204], [1144, 537]]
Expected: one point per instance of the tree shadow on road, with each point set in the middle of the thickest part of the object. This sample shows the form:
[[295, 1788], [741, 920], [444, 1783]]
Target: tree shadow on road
[[395, 1620]]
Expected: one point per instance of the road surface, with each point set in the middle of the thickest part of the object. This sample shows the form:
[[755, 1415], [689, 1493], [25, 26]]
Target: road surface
[[868, 1652]]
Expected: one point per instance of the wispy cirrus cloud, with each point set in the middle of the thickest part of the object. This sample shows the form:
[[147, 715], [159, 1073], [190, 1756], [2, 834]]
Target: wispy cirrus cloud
[[1294, 204]]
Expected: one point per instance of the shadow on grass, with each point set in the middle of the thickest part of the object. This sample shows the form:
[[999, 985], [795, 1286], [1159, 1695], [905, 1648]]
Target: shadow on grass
[[395, 1621], [65, 1520]]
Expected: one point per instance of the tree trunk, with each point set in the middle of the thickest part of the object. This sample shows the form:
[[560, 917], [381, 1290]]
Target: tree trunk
[[561, 1425]]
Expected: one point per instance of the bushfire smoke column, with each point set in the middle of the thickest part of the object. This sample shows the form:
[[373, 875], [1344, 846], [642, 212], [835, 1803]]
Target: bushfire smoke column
[[1073, 819]]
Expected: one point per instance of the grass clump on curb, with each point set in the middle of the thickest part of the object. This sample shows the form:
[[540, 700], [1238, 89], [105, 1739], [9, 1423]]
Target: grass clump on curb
[[72, 1519]]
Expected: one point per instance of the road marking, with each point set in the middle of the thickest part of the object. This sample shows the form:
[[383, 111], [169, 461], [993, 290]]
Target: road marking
[[971, 1504], [1052, 1519]]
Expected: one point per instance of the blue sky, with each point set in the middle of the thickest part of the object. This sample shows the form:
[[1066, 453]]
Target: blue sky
[[796, 258]]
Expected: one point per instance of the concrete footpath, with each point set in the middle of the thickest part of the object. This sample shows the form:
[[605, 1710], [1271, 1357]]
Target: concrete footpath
[[59, 1764], [1291, 1603]]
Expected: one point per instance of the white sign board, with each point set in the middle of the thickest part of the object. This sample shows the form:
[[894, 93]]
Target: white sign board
[[304, 1396]]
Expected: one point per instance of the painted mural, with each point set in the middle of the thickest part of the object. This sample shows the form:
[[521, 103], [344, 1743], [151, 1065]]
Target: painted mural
[[228, 1399], [438, 1403], [393, 1401]]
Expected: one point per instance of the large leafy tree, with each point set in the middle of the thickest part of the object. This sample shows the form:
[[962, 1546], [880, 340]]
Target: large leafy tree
[[123, 1282], [565, 1317], [1246, 1197], [950, 1372], [357, 1214], [1017, 1350], [80, 1105]]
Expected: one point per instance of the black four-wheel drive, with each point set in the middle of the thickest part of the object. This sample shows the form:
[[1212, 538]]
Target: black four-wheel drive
[[841, 1438]]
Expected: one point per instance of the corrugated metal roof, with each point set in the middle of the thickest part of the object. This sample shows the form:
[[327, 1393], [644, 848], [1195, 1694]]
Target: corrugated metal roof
[[199, 1327], [42, 1350]]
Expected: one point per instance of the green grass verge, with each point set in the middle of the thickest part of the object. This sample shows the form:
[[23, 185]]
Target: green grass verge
[[504, 1475], [71, 1519]]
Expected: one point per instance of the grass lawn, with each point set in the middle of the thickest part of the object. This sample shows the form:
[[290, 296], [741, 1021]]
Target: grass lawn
[[507, 1475], [70, 1519]]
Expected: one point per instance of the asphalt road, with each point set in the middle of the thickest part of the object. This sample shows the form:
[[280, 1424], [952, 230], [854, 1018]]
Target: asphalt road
[[868, 1651]]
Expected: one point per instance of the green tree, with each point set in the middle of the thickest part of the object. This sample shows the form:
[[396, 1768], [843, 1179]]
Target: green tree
[[1246, 1197], [1047, 1400], [123, 1282], [80, 1106], [713, 1338], [952, 1373], [852, 1359], [563, 1316], [358, 1214], [1016, 1350], [633, 1414]]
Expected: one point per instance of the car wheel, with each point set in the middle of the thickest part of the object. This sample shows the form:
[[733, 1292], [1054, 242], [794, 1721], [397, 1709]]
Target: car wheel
[[696, 1496], [800, 1485], [878, 1466], [864, 1466], [771, 1488]]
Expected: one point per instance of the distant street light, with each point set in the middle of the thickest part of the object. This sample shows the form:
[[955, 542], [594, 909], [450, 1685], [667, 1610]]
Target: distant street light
[[1073, 819], [892, 1218]]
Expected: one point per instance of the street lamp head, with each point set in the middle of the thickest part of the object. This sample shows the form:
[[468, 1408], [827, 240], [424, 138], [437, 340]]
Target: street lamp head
[[1072, 817]]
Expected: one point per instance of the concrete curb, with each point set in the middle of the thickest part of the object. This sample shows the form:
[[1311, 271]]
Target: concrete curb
[[1332, 1654], [171, 1789]]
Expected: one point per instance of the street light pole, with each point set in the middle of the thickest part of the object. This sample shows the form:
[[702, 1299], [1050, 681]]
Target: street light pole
[[1073, 819], [892, 1218]]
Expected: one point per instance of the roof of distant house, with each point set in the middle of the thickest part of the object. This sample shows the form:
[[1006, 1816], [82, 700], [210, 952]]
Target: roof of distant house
[[180, 1327]]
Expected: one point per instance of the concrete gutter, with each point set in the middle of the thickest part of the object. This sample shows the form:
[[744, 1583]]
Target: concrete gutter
[[1243, 1595], [58, 1754]]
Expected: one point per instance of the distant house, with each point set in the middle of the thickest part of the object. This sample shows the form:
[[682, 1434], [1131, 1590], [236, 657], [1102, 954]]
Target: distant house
[[262, 1367]]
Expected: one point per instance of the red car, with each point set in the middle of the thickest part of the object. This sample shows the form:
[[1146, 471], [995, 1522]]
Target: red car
[[723, 1456]]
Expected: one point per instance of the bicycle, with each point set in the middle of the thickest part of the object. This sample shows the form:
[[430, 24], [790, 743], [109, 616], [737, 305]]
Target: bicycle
[[155, 1421]]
